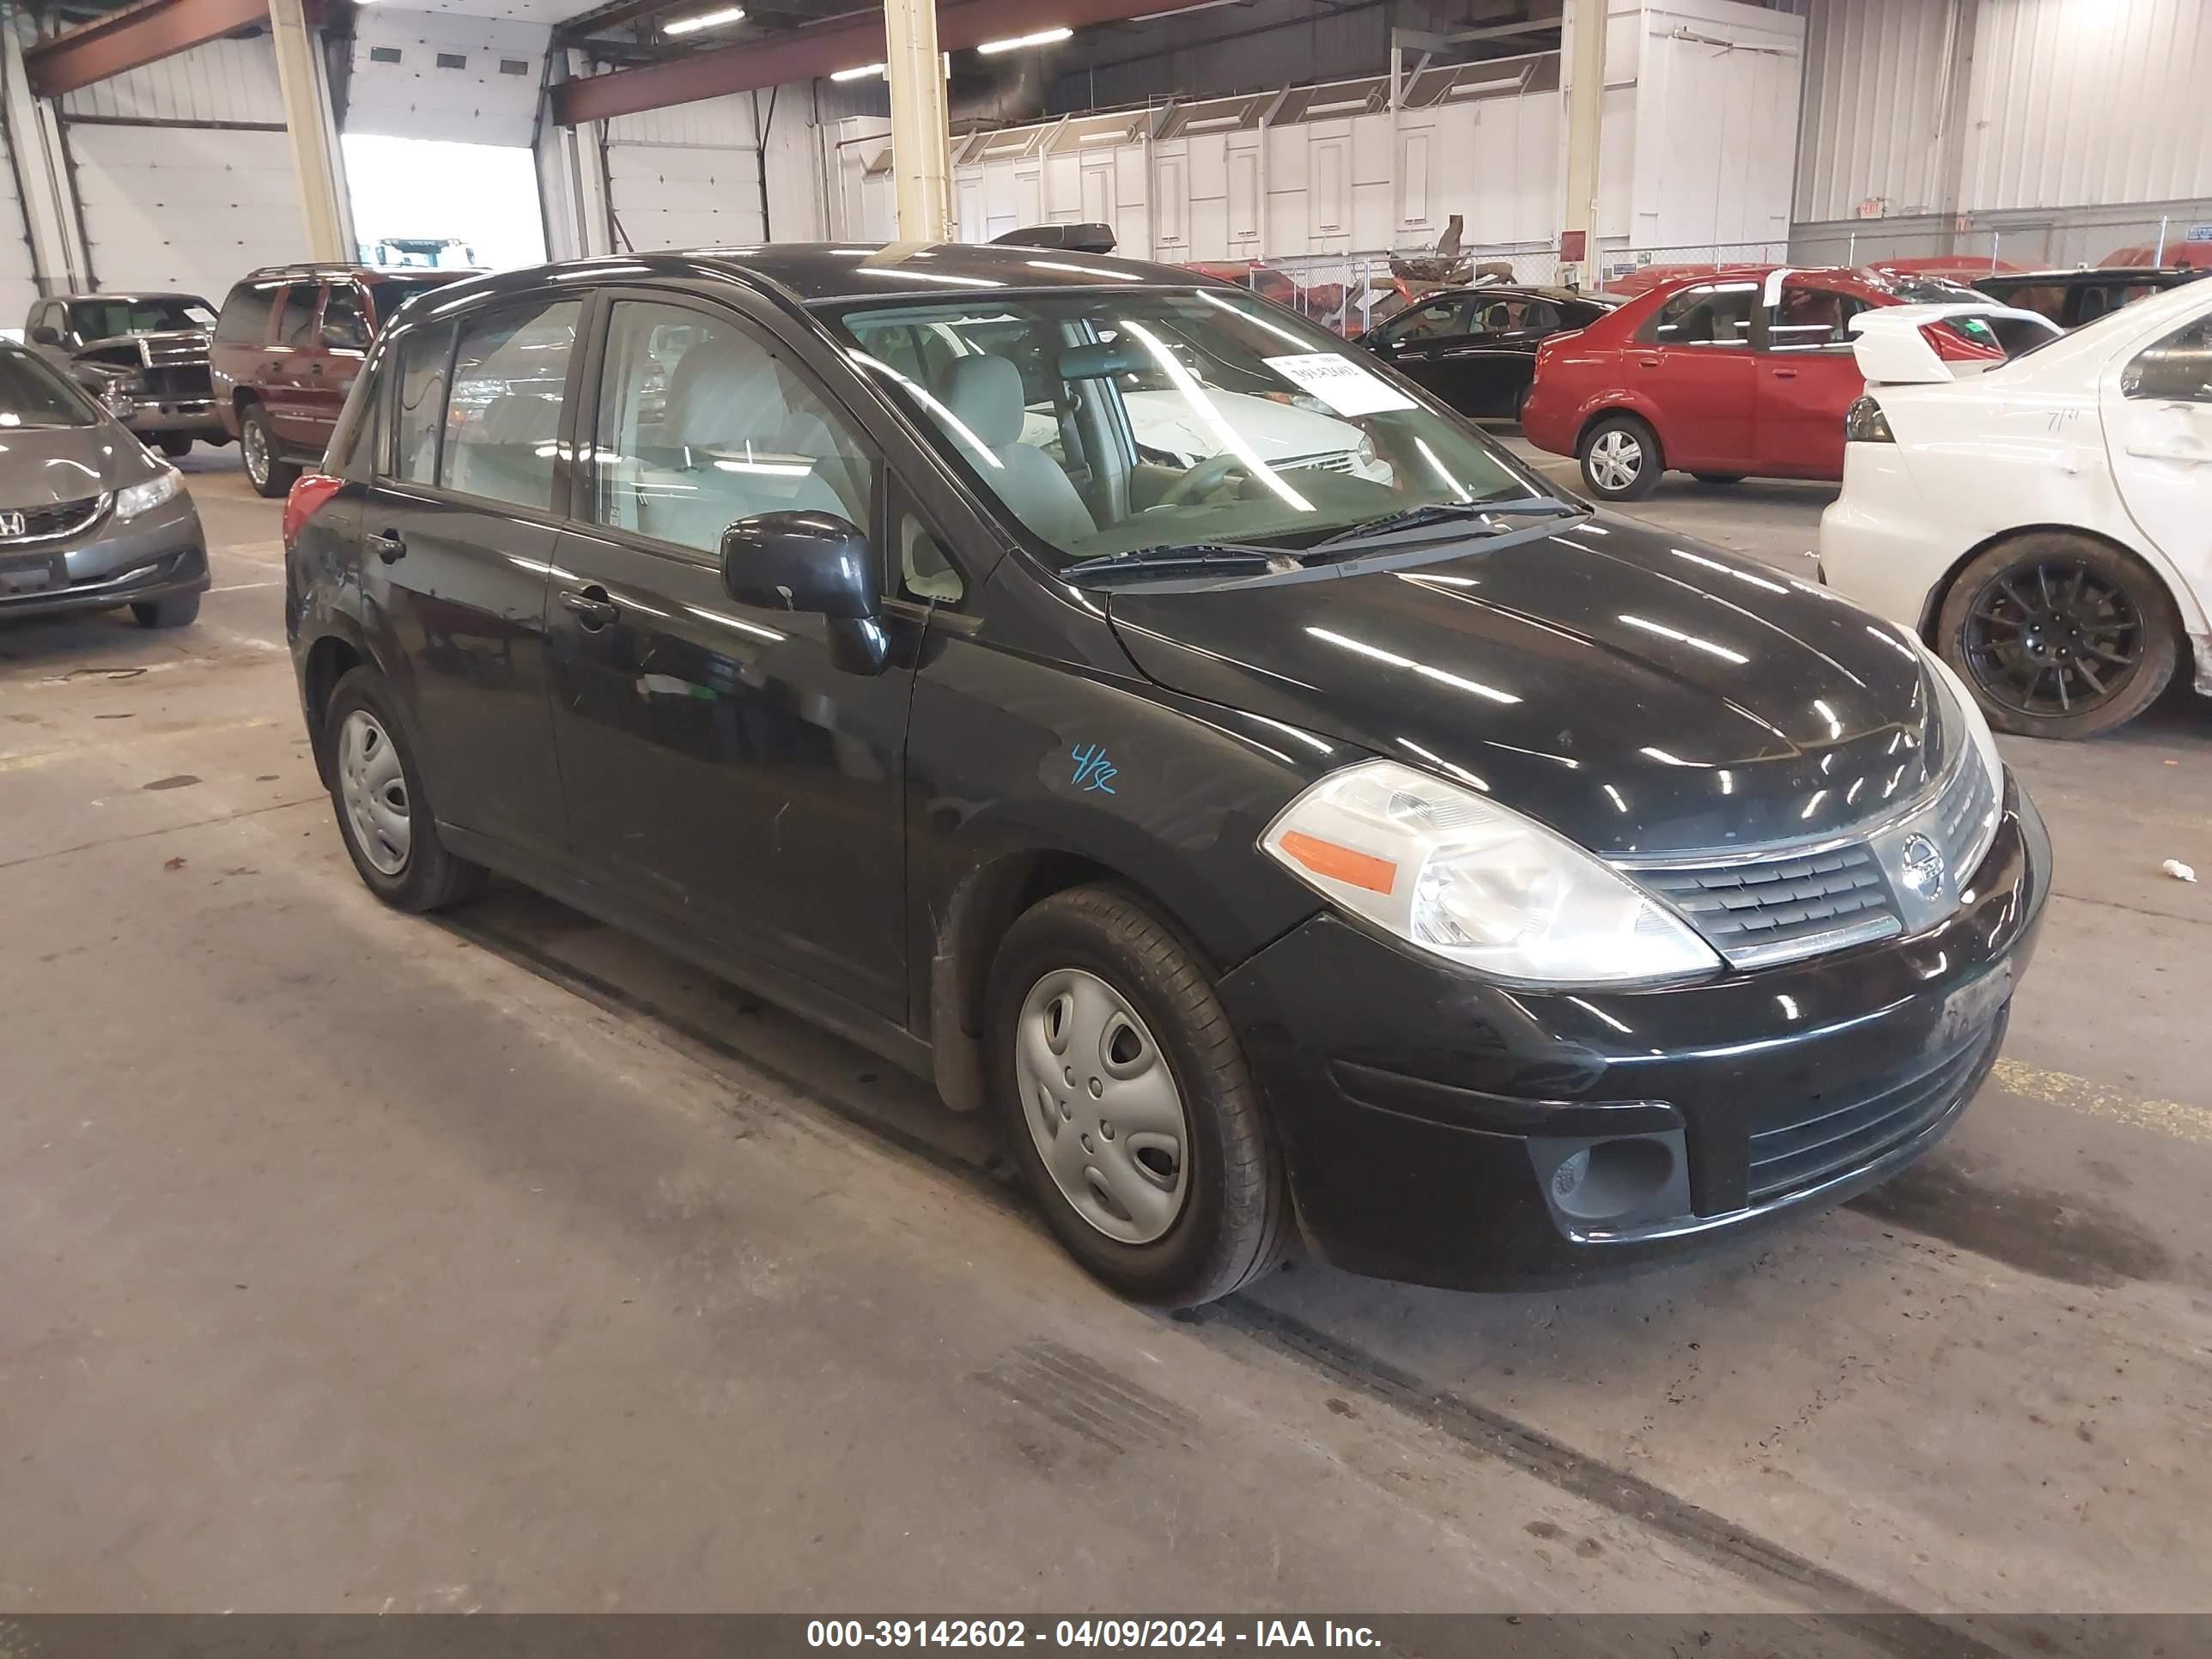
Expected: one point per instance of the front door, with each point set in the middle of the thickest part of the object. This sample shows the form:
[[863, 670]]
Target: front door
[[2158, 426], [1413, 343], [341, 346], [282, 378], [718, 766], [457, 548], [1692, 365], [1807, 380]]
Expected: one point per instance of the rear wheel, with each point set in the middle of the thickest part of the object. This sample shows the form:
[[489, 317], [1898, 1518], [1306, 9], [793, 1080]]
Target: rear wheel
[[2060, 635], [1126, 1104], [269, 475], [1620, 459], [384, 814], [178, 610]]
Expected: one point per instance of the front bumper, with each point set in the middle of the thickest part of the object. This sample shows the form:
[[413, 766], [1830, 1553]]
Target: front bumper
[[155, 555], [1447, 1131], [151, 419]]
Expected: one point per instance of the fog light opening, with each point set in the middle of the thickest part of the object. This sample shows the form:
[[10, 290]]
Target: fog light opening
[[1611, 1178]]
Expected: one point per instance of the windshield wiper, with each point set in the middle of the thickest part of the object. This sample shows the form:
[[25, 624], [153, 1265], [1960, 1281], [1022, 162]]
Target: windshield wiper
[[1415, 517], [1186, 556]]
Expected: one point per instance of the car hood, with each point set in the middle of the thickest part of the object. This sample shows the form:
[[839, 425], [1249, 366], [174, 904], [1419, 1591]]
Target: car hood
[[1637, 694], [1165, 420], [42, 465]]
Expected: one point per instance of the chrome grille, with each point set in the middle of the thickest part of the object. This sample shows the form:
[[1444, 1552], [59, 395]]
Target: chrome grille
[[53, 520], [1776, 909], [1339, 462], [1781, 904]]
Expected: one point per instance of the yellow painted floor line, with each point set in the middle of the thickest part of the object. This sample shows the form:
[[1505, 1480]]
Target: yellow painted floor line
[[2078, 1094]]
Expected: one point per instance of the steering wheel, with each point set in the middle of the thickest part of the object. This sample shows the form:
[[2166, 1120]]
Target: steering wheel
[[1208, 476]]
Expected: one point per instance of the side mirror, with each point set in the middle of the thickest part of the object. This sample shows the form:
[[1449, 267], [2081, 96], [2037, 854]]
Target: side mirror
[[45, 334], [812, 563]]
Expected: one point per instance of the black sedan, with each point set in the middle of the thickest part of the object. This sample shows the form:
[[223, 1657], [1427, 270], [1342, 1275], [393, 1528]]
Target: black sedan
[[1475, 348], [1388, 851]]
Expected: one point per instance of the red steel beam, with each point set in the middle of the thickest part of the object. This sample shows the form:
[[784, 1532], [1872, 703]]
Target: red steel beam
[[817, 51], [131, 37]]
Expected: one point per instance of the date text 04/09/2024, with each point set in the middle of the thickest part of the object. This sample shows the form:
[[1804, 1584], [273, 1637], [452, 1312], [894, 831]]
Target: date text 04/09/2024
[[1087, 1634]]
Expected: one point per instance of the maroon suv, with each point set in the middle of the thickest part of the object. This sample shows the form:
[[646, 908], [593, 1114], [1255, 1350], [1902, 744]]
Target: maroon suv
[[288, 345]]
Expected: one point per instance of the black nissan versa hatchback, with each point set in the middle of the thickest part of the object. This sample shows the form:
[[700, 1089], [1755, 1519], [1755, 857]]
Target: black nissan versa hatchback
[[1367, 841]]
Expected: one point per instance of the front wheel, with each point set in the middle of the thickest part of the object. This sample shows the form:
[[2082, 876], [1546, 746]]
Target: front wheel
[[1128, 1105], [270, 476], [384, 814], [178, 610], [175, 445], [1620, 459], [2060, 635]]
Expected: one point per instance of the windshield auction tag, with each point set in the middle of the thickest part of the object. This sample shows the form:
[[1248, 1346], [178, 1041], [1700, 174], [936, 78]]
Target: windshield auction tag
[[1343, 385]]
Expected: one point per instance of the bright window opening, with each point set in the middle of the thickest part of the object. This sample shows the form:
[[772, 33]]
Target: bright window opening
[[433, 202]]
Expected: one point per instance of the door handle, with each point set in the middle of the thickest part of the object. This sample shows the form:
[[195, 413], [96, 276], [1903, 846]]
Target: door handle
[[593, 609], [388, 545], [1785, 374], [315, 366], [1647, 362]]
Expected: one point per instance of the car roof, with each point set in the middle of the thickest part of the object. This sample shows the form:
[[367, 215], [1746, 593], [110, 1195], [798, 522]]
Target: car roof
[[1534, 290], [2087, 274], [812, 271], [131, 297]]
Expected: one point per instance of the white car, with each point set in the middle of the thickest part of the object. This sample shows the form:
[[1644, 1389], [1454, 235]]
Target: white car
[[2046, 525], [1285, 436]]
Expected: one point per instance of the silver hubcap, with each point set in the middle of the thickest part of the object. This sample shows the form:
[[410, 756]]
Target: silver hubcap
[[374, 787], [1102, 1106], [257, 452], [1615, 460]]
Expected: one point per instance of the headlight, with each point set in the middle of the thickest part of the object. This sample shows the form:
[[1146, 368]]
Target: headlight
[[134, 499], [120, 397], [1454, 872], [1967, 712]]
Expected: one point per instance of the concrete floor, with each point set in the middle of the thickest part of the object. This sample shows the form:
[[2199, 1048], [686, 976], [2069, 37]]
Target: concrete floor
[[358, 1261]]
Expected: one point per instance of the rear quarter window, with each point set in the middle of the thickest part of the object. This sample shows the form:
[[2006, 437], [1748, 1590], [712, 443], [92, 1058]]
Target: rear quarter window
[[244, 319]]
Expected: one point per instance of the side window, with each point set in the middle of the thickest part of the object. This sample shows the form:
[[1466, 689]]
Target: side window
[[244, 317], [296, 326], [503, 416], [1438, 320], [419, 409], [1809, 319], [1717, 314], [730, 431], [345, 326], [2175, 370]]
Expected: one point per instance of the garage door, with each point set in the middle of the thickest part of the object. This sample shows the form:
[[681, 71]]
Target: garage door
[[667, 195], [18, 281], [188, 208]]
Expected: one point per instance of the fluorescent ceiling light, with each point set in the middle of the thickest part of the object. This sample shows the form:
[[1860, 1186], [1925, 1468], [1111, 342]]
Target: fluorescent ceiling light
[[1338, 107], [860, 74], [705, 19], [1042, 37], [1214, 124], [1476, 88], [1113, 137]]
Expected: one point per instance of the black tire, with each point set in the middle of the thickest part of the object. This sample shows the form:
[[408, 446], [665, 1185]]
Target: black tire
[[430, 878], [1521, 405], [277, 475], [175, 445], [1620, 437], [1718, 478], [178, 610], [2092, 625], [1235, 1219]]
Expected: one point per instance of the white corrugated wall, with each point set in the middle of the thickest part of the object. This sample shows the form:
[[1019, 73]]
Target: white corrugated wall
[[2066, 103], [688, 176], [19, 283], [170, 202]]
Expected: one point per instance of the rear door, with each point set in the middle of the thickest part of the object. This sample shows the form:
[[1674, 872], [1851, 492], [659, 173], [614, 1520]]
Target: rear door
[[459, 533], [341, 347], [2157, 406], [1414, 343], [282, 380], [1691, 364], [1807, 379]]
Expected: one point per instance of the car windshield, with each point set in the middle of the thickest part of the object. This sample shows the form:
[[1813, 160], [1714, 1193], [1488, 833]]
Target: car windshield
[[1110, 422], [33, 394], [108, 320]]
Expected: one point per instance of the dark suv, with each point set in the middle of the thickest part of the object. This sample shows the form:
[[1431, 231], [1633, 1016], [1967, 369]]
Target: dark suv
[[1492, 890], [287, 346], [2071, 298], [143, 357]]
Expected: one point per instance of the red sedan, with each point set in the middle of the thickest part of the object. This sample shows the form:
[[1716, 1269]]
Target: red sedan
[[1725, 375]]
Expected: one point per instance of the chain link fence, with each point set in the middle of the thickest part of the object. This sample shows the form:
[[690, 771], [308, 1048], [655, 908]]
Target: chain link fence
[[1352, 292]]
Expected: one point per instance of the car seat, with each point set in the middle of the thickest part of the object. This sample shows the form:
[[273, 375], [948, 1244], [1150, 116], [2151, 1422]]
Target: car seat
[[731, 447], [984, 394]]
